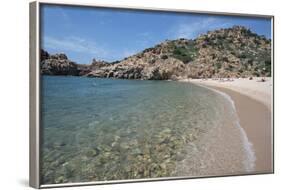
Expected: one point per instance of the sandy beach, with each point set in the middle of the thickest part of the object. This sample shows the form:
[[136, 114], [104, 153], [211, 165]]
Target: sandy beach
[[252, 100], [260, 91]]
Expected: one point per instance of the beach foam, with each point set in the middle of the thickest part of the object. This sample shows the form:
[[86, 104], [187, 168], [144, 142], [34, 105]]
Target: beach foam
[[249, 162]]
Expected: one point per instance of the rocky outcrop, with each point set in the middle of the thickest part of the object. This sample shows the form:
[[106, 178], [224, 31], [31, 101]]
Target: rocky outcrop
[[232, 52], [57, 64], [169, 68], [86, 69]]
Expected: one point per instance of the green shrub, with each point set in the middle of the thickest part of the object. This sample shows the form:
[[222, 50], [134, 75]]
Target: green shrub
[[177, 51], [185, 53]]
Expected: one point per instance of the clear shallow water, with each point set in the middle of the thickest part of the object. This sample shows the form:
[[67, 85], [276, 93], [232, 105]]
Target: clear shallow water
[[105, 129]]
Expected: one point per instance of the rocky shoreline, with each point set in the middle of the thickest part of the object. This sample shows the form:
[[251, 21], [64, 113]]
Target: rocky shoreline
[[235, 52]]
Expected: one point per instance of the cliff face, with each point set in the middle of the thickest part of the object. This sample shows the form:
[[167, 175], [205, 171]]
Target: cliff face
[[233, 52]]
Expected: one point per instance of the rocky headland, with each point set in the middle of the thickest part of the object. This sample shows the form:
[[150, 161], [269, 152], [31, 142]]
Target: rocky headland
[[59, 64], [232, 52]]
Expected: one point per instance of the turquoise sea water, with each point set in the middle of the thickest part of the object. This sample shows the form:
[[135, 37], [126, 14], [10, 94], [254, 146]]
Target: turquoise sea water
[[108, 129]]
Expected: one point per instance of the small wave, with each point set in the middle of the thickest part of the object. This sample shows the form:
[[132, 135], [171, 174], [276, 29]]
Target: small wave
[[249, 162]]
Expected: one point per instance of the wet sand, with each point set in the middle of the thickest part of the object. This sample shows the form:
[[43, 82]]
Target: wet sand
[[255, 119], [223, 150], [253, 102]]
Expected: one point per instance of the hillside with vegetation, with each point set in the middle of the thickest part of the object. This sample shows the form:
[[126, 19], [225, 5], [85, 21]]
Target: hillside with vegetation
[[222, 53]]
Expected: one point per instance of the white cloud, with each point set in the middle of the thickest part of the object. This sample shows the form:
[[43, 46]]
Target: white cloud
[[75, 44], [193, 29]]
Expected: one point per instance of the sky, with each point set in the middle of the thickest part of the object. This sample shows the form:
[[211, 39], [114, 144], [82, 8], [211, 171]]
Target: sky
[[85, 33]]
